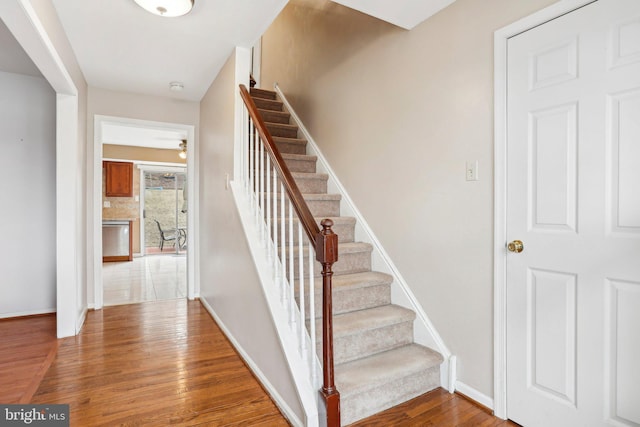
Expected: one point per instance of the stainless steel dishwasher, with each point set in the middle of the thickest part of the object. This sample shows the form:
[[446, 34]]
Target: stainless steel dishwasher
[[116, 240]]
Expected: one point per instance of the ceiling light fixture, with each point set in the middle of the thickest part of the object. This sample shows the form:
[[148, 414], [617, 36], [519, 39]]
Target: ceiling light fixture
[[166, 8], [183, 149], [176, 86]]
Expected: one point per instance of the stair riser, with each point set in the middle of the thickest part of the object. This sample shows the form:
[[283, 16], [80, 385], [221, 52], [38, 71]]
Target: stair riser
[[262, 93], [267, 104], [271, 116], [345, 232], [353, 262], [294, 165], [283, 132], [291, 147], [369, 342], [318, 208], [385, 396], [347, 300], [313, 185], [324, 208]]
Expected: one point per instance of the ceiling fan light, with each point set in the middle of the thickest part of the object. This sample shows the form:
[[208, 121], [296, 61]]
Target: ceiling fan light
[[166, 8], [183, 149]]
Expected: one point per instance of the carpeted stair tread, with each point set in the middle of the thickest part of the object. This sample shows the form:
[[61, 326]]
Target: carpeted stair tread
[[262, 93], [295, 162], [309, 175], [372, 318], [267, 104], [282, 130], [363, 333], [373, 384], [359, 375], [355, 281], [290, 145], [270, 116], [343, 248], [352, 292]]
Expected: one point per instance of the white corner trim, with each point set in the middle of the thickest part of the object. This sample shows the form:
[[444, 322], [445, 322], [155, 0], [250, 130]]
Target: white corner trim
[[453, 374], [474, 394], [273, 392], [25, 25], [425, 332], [501, 38], [81, 319]]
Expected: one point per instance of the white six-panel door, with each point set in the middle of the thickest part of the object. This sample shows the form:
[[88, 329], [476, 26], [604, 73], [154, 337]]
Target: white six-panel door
[[573, 199]]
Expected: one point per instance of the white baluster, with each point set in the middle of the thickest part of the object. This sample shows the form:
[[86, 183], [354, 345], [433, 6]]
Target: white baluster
[[260, 212], [268, 196], [303, 341], [283, 241], [291, 269], [252, 164], [312, 316], [275, 225]]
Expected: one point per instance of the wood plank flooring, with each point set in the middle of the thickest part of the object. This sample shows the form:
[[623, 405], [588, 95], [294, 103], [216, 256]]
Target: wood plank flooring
[[436, 408], [167, 363], [27, 348], [156, 363]]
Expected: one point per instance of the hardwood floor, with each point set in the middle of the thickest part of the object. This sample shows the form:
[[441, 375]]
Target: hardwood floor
[[27, 348], [436, 408], [156, 363], [167, 362]]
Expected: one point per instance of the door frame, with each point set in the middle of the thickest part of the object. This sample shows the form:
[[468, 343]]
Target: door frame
[[96, 200], [501, 38]]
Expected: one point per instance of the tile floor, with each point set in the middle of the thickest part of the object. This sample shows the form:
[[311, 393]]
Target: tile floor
[[148, 278]]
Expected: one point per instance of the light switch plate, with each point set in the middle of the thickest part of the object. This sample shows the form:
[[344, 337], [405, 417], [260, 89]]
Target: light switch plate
[[106, 204], [472, 170]]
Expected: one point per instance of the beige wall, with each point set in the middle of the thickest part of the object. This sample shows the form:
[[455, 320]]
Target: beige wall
[[126, 152], [228, 279], [397, 114]]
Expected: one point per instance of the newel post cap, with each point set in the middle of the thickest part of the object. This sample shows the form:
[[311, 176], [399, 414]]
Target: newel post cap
[[327, 243]]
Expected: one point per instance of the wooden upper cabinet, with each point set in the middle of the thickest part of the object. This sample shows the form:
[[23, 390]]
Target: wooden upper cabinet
[[119, 177]]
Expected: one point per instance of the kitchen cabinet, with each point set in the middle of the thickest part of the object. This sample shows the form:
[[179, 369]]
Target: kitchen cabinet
[[119, 179]]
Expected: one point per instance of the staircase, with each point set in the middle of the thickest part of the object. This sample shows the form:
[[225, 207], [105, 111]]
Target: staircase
[[377, 364]]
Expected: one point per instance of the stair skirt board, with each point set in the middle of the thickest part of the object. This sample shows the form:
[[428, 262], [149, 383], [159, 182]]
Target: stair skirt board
[[378, 362]]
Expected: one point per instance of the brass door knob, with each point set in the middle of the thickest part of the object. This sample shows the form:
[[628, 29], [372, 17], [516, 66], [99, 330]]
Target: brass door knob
[[516, 246]]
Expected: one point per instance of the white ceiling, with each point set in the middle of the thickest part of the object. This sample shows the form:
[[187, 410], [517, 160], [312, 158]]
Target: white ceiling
[[403, 13], [120, 46]]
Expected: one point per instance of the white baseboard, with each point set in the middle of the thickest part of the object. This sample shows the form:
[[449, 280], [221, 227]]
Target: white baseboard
[[80, 320], [474, 394], [27, 313], [277, 398]]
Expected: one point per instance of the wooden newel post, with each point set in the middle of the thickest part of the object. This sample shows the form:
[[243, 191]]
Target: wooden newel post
[[327, 254]]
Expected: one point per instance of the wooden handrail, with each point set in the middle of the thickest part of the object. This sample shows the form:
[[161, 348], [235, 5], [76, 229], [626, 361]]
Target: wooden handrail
[[325, 242], [302, 209]]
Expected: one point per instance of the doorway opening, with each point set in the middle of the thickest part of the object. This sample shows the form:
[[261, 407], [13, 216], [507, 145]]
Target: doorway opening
[[161, 175], [164, 207]]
